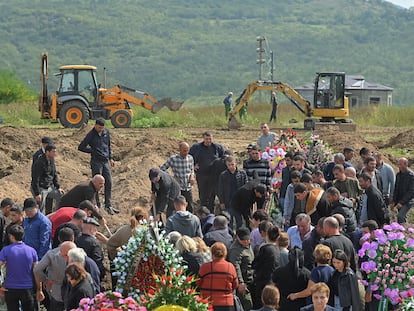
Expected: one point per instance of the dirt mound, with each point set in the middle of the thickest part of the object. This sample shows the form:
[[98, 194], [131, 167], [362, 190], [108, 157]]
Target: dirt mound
[[135, 152], [403, 140]]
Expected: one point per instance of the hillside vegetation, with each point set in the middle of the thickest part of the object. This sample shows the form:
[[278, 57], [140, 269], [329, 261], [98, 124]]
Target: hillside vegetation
[[195, 49]]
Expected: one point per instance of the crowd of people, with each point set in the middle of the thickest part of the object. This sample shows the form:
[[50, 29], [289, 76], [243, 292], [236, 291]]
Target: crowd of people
[[227, 239]]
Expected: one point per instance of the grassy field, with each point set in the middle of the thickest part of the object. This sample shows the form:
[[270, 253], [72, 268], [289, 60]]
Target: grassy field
[[195, 113]]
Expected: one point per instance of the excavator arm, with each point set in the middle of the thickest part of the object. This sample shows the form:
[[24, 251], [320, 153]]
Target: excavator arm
[[123, 94], [294, 97]]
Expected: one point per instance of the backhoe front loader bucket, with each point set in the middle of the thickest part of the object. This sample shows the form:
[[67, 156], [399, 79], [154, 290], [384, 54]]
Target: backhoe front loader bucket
[[167, 102], [233, 123]]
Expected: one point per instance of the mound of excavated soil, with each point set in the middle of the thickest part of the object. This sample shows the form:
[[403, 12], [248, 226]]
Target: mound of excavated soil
[[135, 152]]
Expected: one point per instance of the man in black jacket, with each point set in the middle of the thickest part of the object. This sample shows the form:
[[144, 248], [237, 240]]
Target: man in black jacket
[[373, 205], [98, 143], [165, 189], [341, 205], [229, 182], [403, 198], [243, 200], [45, 183], [84, 191]]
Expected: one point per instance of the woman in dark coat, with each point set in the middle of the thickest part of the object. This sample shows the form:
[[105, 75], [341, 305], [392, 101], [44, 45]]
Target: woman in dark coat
[[292, 278], [80, 288]]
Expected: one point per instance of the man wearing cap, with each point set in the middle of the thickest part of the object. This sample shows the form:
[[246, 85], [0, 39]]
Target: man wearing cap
[[45, 141], [90, 244], [204, 153], [164, 190], [241, 256], [45, 184], [98, 143], [182, 165], [84, 191], [37, 228], [5, 206], [183, 221]]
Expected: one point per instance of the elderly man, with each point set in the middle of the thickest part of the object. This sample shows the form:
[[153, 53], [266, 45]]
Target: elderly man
[[182, 165], [301, 231], [88, 190], [51, 272], [91, 245], [403, 199]]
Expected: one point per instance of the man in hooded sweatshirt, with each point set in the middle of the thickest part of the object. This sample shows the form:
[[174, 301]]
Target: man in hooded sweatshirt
[[183, 221]]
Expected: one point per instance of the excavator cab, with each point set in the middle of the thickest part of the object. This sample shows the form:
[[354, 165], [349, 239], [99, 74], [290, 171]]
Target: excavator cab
[[329, 90]]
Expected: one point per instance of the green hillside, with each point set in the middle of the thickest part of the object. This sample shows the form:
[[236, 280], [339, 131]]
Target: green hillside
[[188, 48]]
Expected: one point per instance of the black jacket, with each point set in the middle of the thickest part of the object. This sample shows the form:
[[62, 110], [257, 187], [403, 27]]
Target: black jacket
[[348, 291], [265, 263], [44, 175], [83, 289], [99, 146], [93, 249], [342, 242], [376, 208], [244, 198], [79, 193], [229, 183], [404, 188], [345, 207], [198, 151], [167, 189]]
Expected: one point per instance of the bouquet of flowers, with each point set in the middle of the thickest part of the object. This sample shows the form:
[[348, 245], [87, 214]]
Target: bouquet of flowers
[[175, 288], [147, 254], [316, 151], [389, 263], [109, 301]]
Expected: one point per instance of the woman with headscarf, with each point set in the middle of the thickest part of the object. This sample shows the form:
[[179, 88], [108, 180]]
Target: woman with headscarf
[[292, 278]]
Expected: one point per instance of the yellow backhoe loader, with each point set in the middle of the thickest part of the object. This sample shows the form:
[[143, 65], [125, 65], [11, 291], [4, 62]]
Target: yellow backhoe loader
[[330, 104], [80, 98]]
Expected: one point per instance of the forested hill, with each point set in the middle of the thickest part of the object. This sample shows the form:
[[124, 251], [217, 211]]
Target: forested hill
[[191, 48]]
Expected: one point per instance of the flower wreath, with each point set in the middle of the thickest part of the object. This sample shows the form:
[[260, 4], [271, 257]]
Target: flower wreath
[[147, 254]]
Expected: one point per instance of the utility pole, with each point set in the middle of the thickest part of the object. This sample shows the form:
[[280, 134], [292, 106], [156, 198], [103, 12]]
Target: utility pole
[[260, 50], [271, 65]]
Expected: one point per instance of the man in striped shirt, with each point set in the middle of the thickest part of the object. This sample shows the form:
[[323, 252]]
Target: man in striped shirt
[[182, 165]]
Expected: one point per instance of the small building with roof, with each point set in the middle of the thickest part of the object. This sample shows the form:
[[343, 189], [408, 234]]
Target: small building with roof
[[360, 92]]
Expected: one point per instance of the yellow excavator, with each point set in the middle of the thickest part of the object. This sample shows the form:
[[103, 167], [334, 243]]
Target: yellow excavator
[[330, 103], [80, 98]]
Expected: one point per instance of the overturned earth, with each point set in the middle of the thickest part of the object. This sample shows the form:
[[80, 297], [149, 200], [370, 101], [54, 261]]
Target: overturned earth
[[137, 150]]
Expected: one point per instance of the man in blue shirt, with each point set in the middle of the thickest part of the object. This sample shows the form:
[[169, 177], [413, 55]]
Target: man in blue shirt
[[37, 226], [98, 143]]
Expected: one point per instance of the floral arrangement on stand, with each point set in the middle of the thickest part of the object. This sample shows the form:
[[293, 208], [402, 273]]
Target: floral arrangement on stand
[[109, 301], [317, 152], [175, 288], [147, 254], [389, 264]]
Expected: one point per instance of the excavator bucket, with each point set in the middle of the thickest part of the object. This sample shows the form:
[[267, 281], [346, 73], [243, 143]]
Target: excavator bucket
[[233, 123], [167, 102]]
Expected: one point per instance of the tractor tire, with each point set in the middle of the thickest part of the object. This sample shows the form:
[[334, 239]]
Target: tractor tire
[[73, 114], [121, 119]]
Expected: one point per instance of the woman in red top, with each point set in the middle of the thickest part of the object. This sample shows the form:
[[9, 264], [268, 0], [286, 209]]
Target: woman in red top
[[218, 279]]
